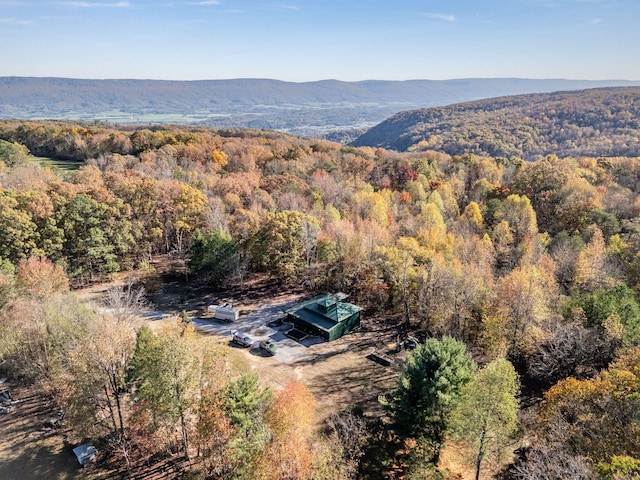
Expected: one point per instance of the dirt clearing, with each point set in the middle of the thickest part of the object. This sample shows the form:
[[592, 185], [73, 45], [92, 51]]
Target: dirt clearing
[[32, 444], [340, 374]]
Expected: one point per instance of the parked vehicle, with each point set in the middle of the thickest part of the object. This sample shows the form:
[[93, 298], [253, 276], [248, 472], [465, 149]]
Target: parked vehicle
[[268, 346], [241, 339], [411, 343]]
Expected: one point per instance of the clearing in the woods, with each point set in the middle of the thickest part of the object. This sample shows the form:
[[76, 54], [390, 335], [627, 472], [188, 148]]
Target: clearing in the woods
[[340, 374]]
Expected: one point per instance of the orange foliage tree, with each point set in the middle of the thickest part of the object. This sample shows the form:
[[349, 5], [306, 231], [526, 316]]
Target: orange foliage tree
[[290, 418], [41, 278]]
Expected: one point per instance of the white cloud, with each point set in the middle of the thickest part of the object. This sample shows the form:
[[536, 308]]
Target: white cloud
[[595, 21], [440, 16], [15, 21], [206, 2], [97, 4]]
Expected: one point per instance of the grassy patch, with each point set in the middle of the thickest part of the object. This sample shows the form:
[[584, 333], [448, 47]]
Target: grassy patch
[[66, 165]]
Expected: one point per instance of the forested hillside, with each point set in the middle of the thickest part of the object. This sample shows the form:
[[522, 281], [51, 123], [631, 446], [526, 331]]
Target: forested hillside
[[597, 122], [532, 266]]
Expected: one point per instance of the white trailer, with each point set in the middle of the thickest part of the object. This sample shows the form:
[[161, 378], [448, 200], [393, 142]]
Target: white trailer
[[224, 312]]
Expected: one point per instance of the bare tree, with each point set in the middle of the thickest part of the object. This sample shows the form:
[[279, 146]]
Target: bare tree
[[352, 432], [124, 303], [95, 391], [553, 464], [180, 250], [309, 237], [565, 254], [571, 350], [348, 436]]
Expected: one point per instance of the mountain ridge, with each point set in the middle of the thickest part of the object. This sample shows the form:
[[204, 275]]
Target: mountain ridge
[[592, 122], [295, 107]]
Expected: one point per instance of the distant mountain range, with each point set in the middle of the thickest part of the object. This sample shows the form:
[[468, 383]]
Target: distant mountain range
[[310, 108], [594, 122]]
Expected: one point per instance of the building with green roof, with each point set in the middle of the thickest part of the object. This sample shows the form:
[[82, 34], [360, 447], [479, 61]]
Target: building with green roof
[[327, 316]]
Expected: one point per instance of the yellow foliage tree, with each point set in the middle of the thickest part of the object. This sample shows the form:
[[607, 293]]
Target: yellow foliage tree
[[596, 417], [219, 157], [593, 271]]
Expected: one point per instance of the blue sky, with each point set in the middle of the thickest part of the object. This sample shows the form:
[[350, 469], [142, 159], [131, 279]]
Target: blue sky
[[305, 40]]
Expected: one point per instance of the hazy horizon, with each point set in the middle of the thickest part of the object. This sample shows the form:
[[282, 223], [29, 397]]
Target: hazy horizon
[[312, 40], [320, 80]]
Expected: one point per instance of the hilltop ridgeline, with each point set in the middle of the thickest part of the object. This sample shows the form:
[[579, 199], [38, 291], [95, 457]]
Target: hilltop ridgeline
[[594, 122]]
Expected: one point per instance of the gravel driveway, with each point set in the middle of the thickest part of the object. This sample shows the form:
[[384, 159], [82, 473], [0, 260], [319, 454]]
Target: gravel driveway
[[256, 325]]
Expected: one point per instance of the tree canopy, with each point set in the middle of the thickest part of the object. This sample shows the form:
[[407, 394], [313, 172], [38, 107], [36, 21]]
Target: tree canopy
[[429, 389]]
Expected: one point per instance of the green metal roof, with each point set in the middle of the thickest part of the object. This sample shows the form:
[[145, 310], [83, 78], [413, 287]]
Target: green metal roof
[[325, 311]]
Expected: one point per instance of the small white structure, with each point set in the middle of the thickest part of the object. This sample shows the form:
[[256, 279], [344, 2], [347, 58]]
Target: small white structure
[[224, 312], [85, 453]]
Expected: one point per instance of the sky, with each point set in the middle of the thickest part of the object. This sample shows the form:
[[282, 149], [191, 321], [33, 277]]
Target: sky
[[308, 40]]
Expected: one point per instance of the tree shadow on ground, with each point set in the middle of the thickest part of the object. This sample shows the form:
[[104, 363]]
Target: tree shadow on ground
[[30, 447]]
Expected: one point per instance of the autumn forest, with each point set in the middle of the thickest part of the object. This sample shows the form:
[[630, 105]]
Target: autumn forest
[[520, 280]]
